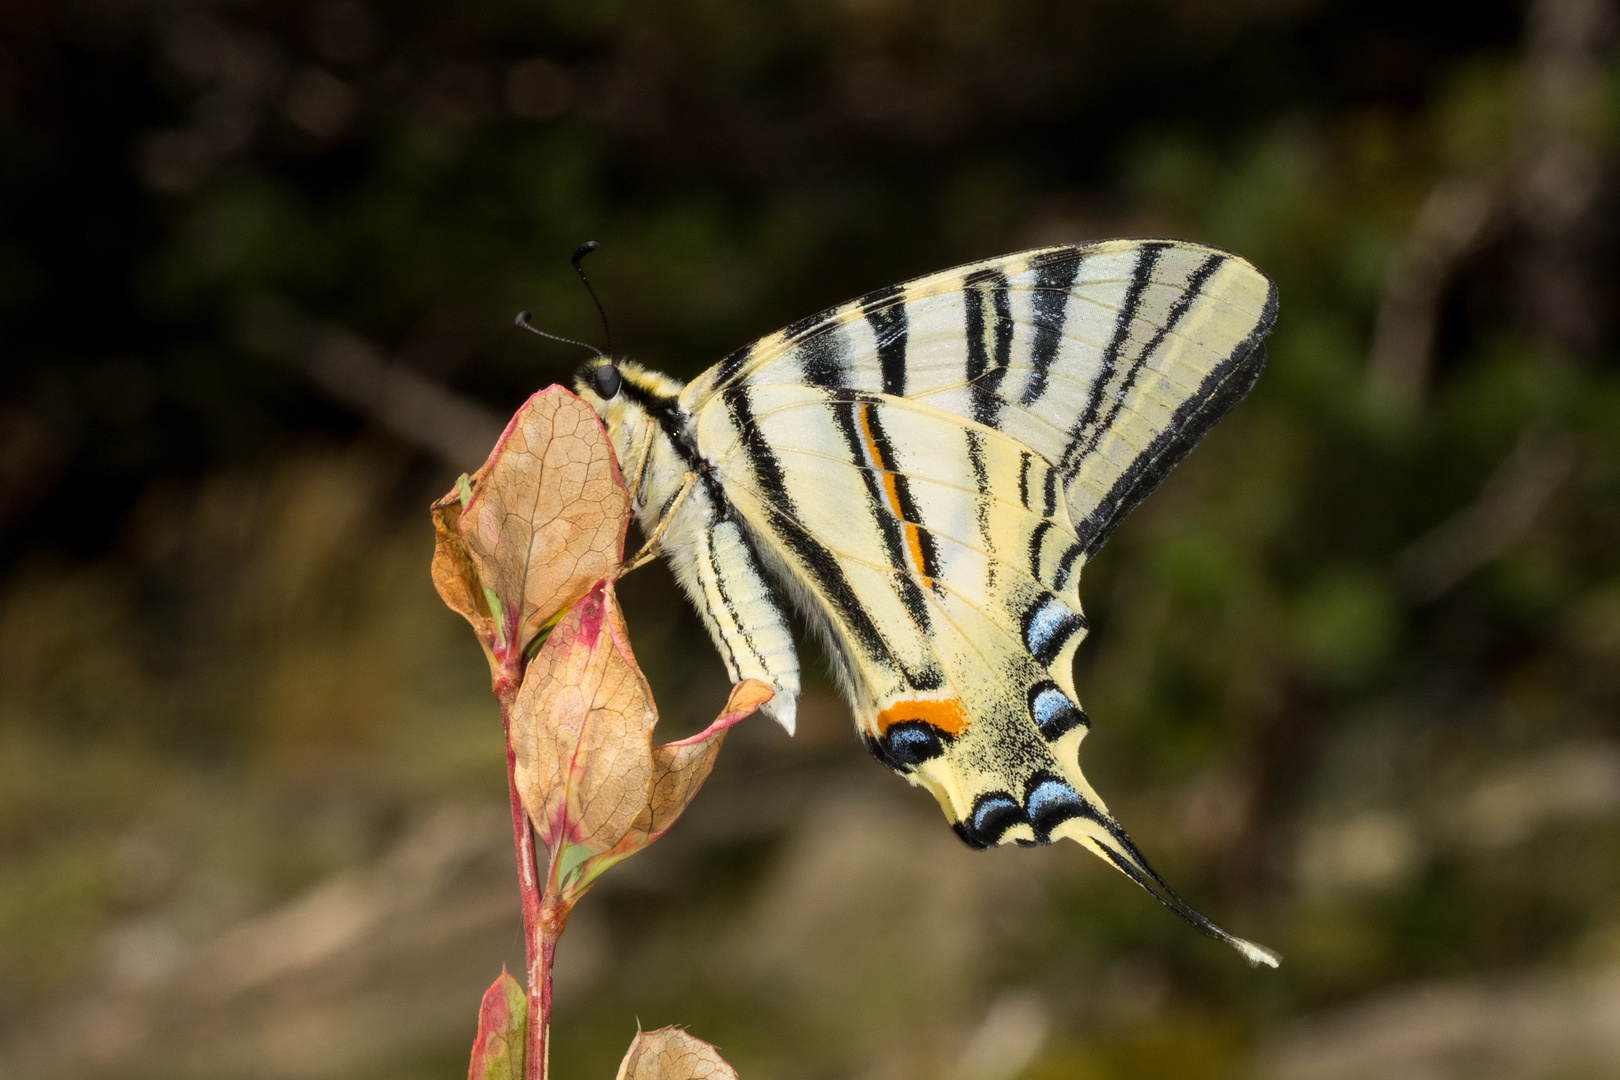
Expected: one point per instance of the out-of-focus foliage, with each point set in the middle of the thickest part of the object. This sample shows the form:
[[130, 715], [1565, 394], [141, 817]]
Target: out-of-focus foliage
[[1353, 670]]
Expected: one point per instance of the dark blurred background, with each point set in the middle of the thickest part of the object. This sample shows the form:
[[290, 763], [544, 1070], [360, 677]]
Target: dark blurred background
[[1354, 670]]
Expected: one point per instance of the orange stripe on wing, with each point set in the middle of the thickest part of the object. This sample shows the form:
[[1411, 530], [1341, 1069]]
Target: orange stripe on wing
[[945, 714], [891, 488]]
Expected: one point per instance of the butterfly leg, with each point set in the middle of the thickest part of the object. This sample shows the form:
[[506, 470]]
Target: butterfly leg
[[637, 477], [649, 550]]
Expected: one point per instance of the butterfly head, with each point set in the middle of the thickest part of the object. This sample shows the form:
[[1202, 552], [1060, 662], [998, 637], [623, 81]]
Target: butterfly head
[[615, 385], [630, 400], [603, 378]]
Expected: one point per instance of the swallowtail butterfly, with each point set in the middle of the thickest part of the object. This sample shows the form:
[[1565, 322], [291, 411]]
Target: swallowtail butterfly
[[923, 472]]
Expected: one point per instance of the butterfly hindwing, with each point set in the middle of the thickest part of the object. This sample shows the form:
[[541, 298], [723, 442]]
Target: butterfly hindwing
[[933, 553]]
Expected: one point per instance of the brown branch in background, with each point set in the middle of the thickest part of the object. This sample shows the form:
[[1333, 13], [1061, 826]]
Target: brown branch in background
[[1551, 189], [354, 372], [1456, 217], [1288, 737], [1485, 528], [1561, 179]]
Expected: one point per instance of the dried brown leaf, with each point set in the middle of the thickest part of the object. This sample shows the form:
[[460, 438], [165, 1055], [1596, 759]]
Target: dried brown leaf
[[671, 1054], [581, 728], [679, 768], [529, 532], [453, 572]]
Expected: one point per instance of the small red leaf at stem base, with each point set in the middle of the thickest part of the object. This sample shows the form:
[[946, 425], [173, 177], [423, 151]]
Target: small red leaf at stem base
[[503, 1020]]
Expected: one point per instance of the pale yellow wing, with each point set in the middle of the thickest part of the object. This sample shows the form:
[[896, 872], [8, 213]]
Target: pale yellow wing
[[935, 555]]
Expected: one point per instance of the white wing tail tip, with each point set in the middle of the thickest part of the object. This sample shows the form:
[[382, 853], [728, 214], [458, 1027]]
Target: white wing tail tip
[[1256, 955], [783, 708]]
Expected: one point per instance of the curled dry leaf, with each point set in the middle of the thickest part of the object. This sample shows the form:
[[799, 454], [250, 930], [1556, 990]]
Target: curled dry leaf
[[671, 1054], [595, 787], [498, 1051], [679, 768], [527, 534]]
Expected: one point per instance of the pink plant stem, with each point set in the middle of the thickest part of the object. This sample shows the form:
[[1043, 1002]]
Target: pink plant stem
[[553, 917], [538, 950]]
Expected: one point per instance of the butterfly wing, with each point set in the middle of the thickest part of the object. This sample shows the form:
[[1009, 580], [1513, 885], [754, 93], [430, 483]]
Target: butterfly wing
[[922, 545], [1109, 360], [927, 469], [929, 552]]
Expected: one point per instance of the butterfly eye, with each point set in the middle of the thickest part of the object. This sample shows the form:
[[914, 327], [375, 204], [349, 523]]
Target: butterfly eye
[[606, 381]]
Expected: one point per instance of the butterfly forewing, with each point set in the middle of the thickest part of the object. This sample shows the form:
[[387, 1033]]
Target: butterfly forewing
[[1109, 360]]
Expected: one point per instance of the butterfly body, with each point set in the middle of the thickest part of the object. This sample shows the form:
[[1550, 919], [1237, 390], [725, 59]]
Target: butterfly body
[[922, 473], [714, 562]]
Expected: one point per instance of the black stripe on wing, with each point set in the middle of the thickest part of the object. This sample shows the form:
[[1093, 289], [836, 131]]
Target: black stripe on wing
[[1221, 389], [885, 309], [982, 504], [1037, 538], [1081, 444], [824, 358], [1147, 256], [726, 370], [844, 405], [719, 577], [987, 366], [820, 563], [1065, 566], [1049, 310], [883, 449], [816, 558]]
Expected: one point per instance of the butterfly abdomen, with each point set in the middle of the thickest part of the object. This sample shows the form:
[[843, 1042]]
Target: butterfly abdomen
[[705, 545]]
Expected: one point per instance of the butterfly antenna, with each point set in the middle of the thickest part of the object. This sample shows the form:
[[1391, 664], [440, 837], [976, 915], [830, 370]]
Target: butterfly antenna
[[579, 254], [523, 321]]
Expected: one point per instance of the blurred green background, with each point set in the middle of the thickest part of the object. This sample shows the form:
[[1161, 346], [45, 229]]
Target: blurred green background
[[1354, 669]]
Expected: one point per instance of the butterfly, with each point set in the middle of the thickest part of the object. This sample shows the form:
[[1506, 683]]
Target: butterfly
[[922, 473]]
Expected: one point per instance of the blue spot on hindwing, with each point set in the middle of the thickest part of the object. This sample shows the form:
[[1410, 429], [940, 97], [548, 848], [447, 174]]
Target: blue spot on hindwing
[[1048, 626], [994, 813], [1050, 802], [908, 744], [1053, 712]]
